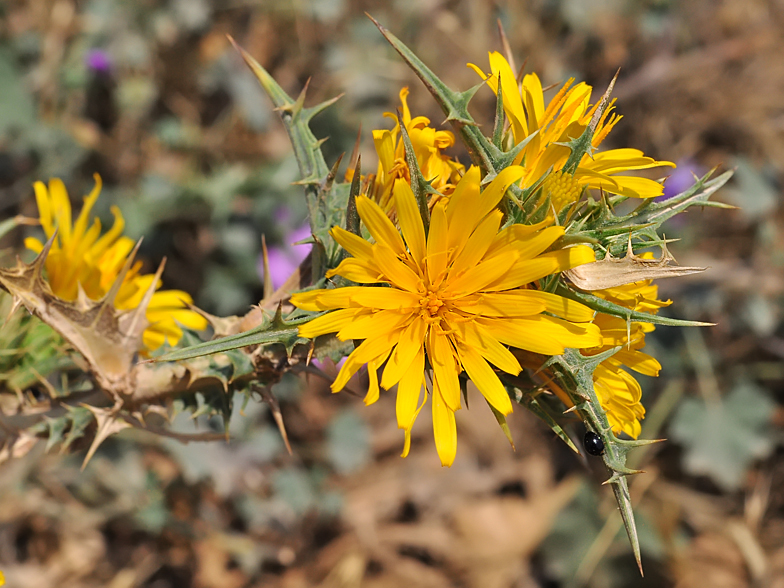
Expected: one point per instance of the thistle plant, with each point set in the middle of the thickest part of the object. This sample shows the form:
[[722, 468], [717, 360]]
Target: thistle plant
[[514, 275]]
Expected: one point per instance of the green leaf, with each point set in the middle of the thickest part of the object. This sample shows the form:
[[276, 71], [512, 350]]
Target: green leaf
[[576, 374], [540, 411], [722, 439], [267, 333], [348, 442], [607, 307], [17, 107]]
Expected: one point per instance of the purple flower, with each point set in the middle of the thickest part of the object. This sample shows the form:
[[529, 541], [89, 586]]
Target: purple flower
[[98, 60], [284, 259], [682, 178]]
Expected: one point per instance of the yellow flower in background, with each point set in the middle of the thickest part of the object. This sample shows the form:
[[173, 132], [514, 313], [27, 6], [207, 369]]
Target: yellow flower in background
[[451, 300], [81, 257], [564, 118], [428, 143], [618, 391]]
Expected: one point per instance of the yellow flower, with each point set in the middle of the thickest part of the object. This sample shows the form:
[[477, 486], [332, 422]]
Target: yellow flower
[[565, 118], [443, 171], [618, 391], [452, 300], [81, 257]]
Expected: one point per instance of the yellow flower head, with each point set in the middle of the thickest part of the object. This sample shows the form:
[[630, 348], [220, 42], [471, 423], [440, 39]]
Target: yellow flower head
[[565, 118], [443, 171], [454, 298], [618, 391], [82, 258]]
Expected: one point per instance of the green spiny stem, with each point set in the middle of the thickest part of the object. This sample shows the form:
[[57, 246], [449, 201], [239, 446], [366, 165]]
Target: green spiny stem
[[419, 185], [352, 215], [577, 374], [498, 127], [454, 104], [607, 307], [307, 149], [269, 332]]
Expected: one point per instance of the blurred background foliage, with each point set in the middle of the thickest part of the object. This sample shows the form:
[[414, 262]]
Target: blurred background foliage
[[149, 94]]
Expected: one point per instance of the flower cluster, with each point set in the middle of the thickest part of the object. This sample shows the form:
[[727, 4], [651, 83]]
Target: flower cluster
[[551, 125], [441, 170], [454, 301], [453, 298], [82, 259]]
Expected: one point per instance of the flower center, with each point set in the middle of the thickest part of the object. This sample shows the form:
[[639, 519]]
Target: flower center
[[562, 188], [431, 303]]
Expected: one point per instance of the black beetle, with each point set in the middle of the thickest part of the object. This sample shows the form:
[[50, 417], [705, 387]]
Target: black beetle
[[593, 443]]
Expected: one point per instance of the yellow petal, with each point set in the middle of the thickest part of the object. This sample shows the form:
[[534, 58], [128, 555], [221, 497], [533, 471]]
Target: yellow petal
[[355, 245], [385, 149], [324, 299], [534, 100], [530, 247], [483, 376], [638, 361], [358, 270], [34, 244], [111, 236], [437, 245], [542, 334], [478, 244], [410, 220], [503, 304], [488, 346], [370, 350], [444, 429], [373, 390], [61, 208], [44, 203], [565, 308], [372, 324], [329, 323], [81, 222], [570, 257], [493, 194], [409, 391], [482, 275], [395, 271], [465, 197], [513, 104], [402, 358], [379, 225], [445, 367], [384, 298]]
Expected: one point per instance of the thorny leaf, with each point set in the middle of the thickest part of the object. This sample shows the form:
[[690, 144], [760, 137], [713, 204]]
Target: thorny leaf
[[723, 438], [611, 272], [109, 422]]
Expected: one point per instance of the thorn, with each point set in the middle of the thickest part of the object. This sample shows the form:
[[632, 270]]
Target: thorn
[[597, 115], [140, 312], [108, 425], [352, 216], [296, 107], [118, 281], [505, 44], [15, 304], [268, 287], [354, 160], [520, 76], [330, 179], [39, 261], [272, 402]]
